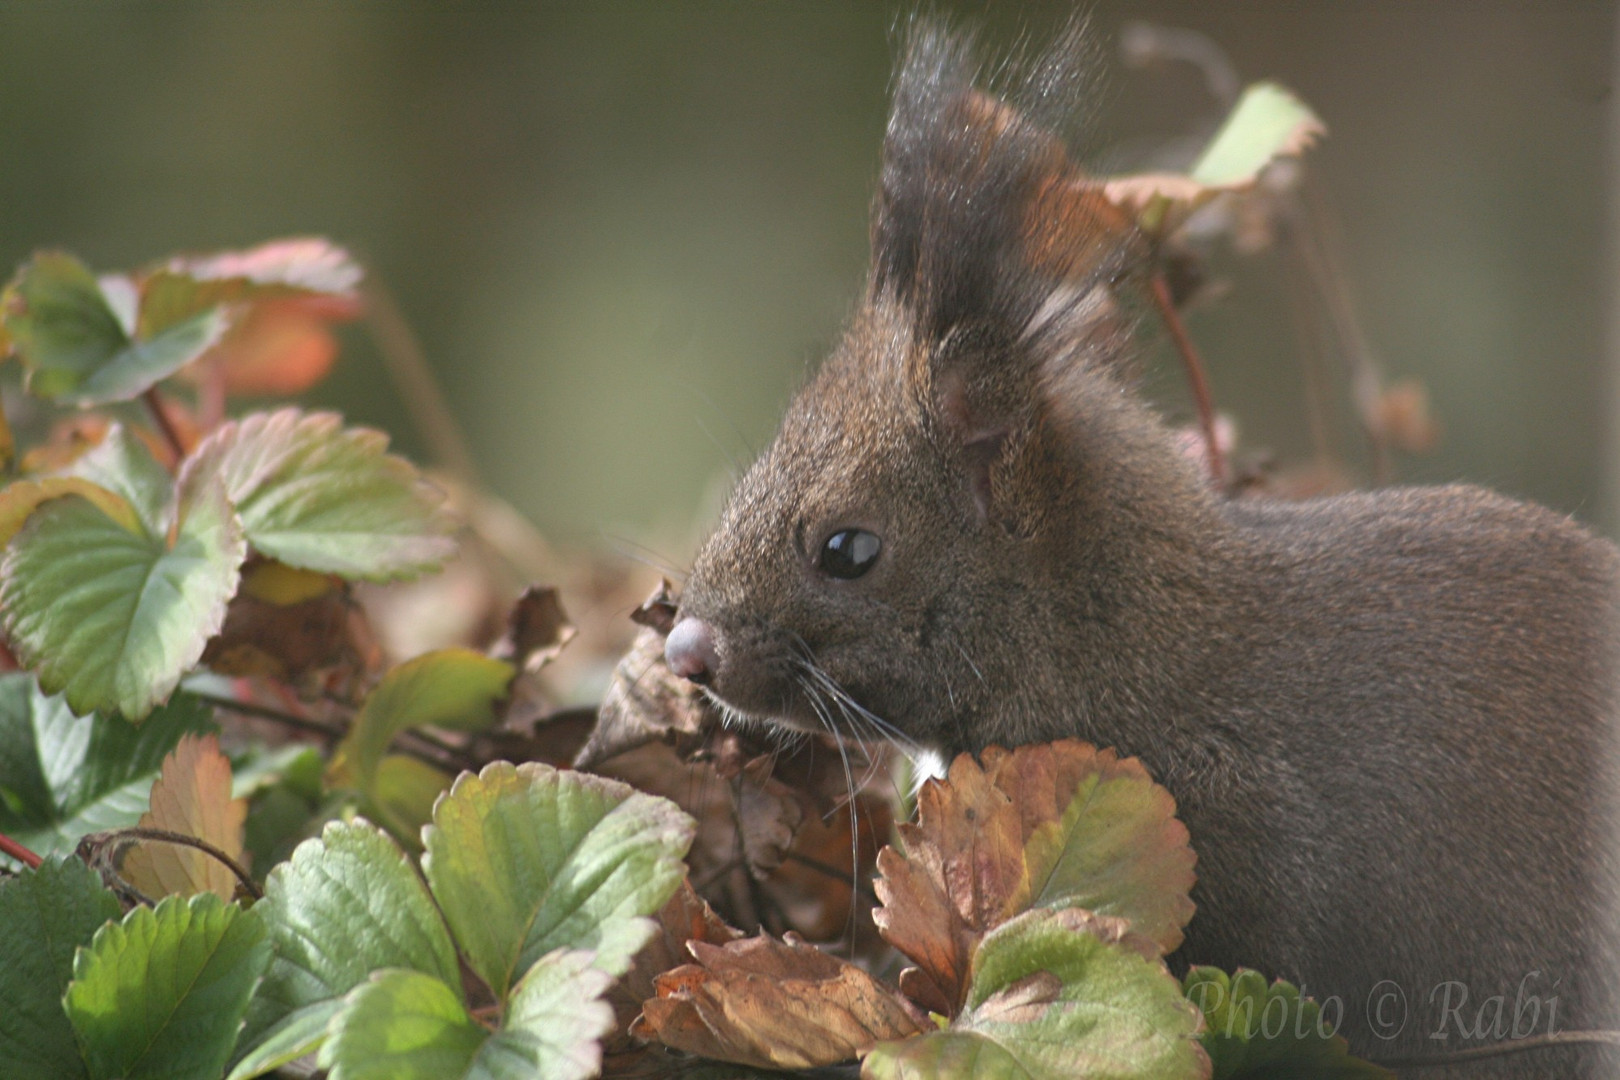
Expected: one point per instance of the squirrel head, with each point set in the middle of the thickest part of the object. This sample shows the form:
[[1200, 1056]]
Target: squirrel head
[[965, 498]]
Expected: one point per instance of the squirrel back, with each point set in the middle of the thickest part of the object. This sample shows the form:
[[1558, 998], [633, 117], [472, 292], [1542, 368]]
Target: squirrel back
[[1385, 717]]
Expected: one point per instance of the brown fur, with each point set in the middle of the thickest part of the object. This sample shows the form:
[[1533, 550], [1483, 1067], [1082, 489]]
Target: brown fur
[[1384, 716]]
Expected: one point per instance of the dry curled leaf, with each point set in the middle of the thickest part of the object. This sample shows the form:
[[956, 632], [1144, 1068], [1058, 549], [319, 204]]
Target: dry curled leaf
[[1056, 825], [645, 702], [773, 1004], [658, 610], [297, 627], [686, 917], [1403, 415], [537, 629], [191, 796]]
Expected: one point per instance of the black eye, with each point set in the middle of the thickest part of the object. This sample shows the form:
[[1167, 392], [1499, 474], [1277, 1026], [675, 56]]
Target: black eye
[[849, 553]]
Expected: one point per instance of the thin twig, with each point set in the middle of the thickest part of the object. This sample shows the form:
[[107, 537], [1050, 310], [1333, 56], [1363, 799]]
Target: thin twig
[[263, 712], [1316, 240], [116, 841], [413, 376], [154, 405], [10, 847], [1202, 398], [425, 748]]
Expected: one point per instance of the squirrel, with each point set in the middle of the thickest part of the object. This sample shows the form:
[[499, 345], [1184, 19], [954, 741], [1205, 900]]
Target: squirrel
[[1385, 716]]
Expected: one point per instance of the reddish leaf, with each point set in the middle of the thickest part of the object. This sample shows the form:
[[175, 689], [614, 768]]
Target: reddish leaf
[[1057, 825]]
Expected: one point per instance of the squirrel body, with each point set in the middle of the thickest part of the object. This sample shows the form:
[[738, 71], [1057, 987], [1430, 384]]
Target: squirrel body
[[1385, 717]]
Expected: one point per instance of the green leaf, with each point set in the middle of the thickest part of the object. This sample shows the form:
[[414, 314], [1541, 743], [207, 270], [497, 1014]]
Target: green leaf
[[554, 1021], [75, 347], [121, 463], [60, 323], [143, 364], [405, 793], [161, 994], [114, 618], [1253, 1031], [342, 907], [1056, 995], [450, 688], [18, 500], [62, 776], [403, 1025], [45, 915], [290, 1038], [1267, 122], [526, 859], [315, 495]]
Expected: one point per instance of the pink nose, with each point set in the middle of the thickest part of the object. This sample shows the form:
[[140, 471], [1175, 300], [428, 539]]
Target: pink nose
[[690, 651]]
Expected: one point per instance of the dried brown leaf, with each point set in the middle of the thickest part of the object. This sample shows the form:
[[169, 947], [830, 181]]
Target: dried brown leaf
[[192, 796], [773, 1004], [686, 917], [537, 630], [294, 626], [645, 702], [768, 817], [963, 869]]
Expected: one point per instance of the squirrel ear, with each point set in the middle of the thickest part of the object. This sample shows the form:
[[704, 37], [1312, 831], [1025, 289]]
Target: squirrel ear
[[981, 441]]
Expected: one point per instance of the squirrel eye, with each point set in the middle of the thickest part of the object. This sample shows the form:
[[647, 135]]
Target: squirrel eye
[[849, 553]]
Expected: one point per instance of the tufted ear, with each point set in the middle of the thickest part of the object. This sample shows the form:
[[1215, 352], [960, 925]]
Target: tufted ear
[[1000, 251]]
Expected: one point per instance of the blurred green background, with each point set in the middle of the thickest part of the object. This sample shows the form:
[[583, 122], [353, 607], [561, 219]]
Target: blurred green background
[[624, 231]]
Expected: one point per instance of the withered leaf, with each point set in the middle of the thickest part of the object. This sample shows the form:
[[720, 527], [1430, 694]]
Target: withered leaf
[[963, 869], [775, 1004], [537, 629], [1267, 123], [191, 796], [645, 702], [657, 612], [295, 626], [686, 917], [768, 817]]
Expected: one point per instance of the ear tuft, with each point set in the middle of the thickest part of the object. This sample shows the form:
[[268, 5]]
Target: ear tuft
[[981, 216]]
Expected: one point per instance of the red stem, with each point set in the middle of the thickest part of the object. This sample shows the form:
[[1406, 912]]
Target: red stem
[[1202, 397], [154, 405], [18, 852]]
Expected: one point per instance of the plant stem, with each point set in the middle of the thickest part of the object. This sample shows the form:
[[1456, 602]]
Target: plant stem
[[154, 405], [18, 852], [418, 388], [262, 712], [429, 749], [120, 839], [1202, 398]]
